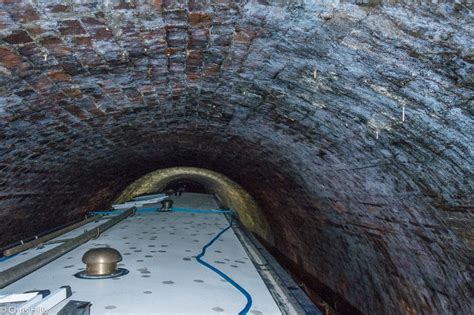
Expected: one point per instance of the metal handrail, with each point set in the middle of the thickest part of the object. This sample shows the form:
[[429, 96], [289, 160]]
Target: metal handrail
[[43, 239], [25, 268]]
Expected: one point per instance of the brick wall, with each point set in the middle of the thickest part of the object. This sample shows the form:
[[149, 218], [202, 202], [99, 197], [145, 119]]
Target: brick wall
[[302, 104]]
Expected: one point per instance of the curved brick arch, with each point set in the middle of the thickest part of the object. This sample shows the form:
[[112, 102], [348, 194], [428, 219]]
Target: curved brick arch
[[230, 194], [350, 125]]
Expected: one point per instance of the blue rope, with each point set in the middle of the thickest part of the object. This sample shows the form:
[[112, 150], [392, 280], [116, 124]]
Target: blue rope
[[198, 211], [247, 307], [144, 210], [5, 258]]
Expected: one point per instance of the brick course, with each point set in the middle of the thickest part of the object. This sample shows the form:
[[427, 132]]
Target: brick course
[[301, 104]]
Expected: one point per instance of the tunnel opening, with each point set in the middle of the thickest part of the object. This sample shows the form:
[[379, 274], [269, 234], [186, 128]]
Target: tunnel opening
[[228, 193], [185, 185]]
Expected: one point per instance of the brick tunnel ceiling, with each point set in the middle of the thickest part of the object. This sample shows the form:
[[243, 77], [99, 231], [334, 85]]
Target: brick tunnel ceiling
[[302, 105]]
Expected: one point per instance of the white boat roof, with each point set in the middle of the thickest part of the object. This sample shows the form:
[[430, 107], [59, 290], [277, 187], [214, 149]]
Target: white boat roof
[[159, 250]]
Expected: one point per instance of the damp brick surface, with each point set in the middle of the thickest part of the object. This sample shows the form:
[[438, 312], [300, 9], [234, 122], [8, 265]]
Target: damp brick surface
[[350, 124]]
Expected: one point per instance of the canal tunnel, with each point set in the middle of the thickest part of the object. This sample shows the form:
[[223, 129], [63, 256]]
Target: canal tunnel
[[340, 133]]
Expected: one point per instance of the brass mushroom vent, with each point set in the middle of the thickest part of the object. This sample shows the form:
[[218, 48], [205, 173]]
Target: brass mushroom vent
[[101, 263], [166, 205]]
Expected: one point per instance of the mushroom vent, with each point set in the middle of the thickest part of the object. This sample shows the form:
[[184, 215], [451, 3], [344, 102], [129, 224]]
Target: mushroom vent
[[166, 205], [101, 263]]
